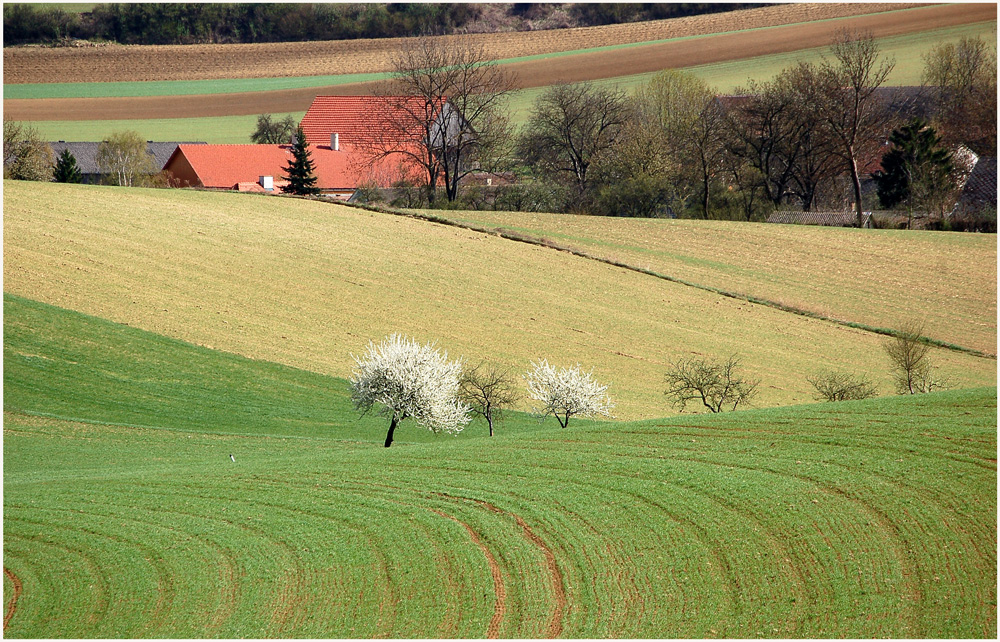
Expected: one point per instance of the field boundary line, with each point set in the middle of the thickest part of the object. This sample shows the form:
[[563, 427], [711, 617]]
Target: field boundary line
[[511, 235]]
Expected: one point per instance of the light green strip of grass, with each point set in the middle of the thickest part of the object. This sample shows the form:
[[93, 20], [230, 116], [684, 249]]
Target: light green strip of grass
[[215, 130]]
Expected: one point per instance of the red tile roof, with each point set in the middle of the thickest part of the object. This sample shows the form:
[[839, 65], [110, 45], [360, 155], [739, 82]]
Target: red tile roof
[[234, 166], [351, 117]]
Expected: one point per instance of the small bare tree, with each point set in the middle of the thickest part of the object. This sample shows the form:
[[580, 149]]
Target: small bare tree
[[567, 392], [842, 386], [489, 391], [409, 381], [908, 353], [718, 386]]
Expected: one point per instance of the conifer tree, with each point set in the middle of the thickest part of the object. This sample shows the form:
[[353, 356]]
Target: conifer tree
[[66, 170], [300, 170], [916, 172]]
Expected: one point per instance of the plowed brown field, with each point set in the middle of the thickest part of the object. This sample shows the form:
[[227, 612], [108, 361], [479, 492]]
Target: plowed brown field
[[735, 41], [198, 62]]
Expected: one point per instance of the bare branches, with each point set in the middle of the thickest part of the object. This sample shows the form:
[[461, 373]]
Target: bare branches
[[911, 364], [488, 390], [842, 386], [443, 112], [718, 386]]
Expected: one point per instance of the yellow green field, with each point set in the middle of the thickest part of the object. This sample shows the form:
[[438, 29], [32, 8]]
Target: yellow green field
[[307, 284], [880, 278]]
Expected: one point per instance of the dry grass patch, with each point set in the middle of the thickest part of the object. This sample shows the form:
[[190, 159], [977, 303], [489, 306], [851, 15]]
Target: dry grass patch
[[307, 284], [880, 278]]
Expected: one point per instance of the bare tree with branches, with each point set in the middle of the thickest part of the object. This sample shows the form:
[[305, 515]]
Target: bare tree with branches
[[489, 391], [849, 103], [718, 386], [443, 112]]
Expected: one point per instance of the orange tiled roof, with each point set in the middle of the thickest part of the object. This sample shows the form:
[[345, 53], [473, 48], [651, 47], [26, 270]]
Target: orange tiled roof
[[238, 167], [350, 117], [225, 166]]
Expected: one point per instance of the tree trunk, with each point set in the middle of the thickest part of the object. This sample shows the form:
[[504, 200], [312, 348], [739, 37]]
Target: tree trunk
[[857, 189], [489, 420], [392, 429]]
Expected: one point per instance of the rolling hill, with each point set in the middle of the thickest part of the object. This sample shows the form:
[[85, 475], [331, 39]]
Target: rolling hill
[[124, 515], [308, 284]]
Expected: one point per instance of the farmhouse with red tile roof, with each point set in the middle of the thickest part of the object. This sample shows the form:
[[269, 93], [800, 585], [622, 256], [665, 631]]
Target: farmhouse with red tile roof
[[261, 168]]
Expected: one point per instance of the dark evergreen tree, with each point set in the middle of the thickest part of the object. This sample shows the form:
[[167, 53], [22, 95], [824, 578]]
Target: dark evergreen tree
[[300, 170], [66, 170], [916, 172]]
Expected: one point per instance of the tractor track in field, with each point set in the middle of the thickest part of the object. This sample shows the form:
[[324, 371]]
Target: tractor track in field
[[500, 605], [12, 604], [554, 627], [679, 52]]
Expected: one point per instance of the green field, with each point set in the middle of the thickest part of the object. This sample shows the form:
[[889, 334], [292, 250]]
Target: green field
[[124, 516], [220, 130], [308, 284]]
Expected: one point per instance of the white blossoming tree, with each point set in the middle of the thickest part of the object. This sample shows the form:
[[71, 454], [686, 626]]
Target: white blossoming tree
[[567, 392], [408, 381]]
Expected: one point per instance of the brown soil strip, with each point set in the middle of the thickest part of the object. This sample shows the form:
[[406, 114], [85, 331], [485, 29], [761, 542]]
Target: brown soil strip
[[500, 606], [18, 590], [535, 73], [205, 62]]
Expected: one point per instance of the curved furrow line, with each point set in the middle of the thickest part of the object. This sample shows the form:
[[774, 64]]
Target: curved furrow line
[[12, 603], [904, 556], [499, 589], [166, 586], [450, 621], [620, 565], [97, 583], [289, 561], [554, 626]]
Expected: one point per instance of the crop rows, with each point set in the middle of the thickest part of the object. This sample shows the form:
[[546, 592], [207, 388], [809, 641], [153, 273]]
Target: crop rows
[[638, 530]]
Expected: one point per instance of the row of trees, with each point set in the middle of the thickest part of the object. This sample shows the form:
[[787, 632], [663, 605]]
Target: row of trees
[[215, 22], [804, 138], [401, 379]]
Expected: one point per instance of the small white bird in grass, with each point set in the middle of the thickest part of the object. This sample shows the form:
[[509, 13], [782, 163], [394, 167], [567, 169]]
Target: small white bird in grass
[[233, 458]]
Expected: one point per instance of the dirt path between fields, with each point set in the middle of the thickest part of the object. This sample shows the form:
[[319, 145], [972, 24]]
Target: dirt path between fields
[[536, 73], [12, 604]]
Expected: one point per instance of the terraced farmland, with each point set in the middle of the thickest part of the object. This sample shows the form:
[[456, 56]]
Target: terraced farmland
[[307, 284], [861, 519]]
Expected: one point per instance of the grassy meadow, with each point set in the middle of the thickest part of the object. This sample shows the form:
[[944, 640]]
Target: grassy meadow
[[124, 516], [308, 284]]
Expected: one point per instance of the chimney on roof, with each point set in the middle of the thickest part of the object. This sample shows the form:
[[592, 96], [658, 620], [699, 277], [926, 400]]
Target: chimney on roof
[[267, 182], [335, 142]]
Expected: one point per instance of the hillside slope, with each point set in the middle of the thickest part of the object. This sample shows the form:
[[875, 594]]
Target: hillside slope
[[308, 284], [881, 278]]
